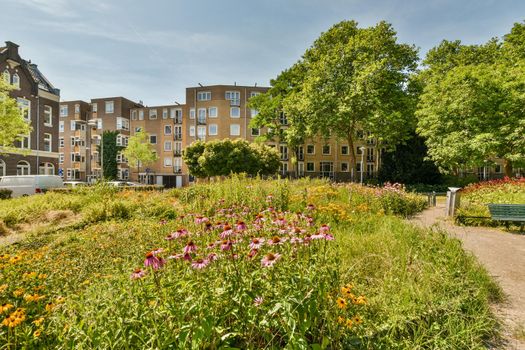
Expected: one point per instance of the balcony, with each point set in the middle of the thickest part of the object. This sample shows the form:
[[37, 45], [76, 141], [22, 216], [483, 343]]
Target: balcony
[[177, 153], [236, 102], [177, 169], [201, 121], [177, 121], [177, 137]]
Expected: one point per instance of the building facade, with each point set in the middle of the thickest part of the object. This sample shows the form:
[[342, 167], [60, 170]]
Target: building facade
[[38, 100]]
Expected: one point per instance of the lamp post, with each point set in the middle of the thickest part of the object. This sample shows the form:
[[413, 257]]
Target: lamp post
[[363, 149], [94, 124]]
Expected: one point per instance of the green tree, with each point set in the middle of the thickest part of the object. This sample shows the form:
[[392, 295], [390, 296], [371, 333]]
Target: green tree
[[139, 150], [471, 107], [223, 157], [12, 121], [356, 78], [109, 154]]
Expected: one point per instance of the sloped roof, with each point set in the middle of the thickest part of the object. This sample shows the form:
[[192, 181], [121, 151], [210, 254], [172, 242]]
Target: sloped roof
[[40, 79]]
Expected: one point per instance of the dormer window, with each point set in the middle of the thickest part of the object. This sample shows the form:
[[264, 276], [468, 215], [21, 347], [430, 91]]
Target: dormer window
[[16, 81]]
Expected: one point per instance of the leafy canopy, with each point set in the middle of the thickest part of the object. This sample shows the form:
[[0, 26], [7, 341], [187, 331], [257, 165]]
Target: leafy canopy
[[139, 150], [223, 157], [12, 121]]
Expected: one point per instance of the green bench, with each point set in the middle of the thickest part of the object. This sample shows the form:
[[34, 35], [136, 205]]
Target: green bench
[[508, 213]]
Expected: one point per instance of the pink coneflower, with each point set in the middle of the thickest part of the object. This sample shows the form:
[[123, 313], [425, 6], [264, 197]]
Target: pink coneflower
[[324, 229], [226, 245], [275, 240], [227, 231], [176, 256], [212, 257], [257, 243], [258, 301], [270, 259], [271, 209], [170, 237], [310, 207], [269, 198], [200, 219], [190, 247], [137, 274], [199, 263], [298, 231], [210, 245], [329, 237], [157, 251], [296, 240], [317, 236], [253, 253], [309, 221], [241, 226], [163, 222], [154, 261], [280, 221], [187, 257], [180, 233], [218, 225], [208, 226]]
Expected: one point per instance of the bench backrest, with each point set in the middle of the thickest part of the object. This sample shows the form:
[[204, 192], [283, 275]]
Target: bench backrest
[[507, 210]]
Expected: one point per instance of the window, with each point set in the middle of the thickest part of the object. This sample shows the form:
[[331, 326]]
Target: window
[[47, 142], [177, 131], [46, 169], [16, 81], [370, 154], [122, 123], [2, 168], [256, 131], [172, 113], [254, 93], [344, 150], [344, 167], [153, 114], [99, 124], [233, 96], [72, 143], [212, 112], [192, 130], [282, 119], [23, 168], [64, 110], [178, 165], [164, 113], [61, 142], [133, 115], [61, 158], [497, 168], [202, 115], [141, 115], [201, 132], [326, 149], [370, 169], [61, 126], [310, 167], [73, 125], [283, 168], [168, 161], [235, 112], [178, 148], [77, 108], [94, 106], [212, 129], [167, 146], [24, 142], [192, 113], [235, 130], [203, 96], [110, 107], [25, 107], [7, 76], [283, 150], [178, 116], [310, 149], [253, 112], [153, 139], [138, 129], [360, 134], [167, 129]]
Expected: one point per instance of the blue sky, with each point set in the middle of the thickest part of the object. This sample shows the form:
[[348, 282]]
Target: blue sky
[[151, 50]]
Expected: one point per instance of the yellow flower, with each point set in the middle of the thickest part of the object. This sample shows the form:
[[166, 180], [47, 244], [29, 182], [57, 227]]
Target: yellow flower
[[28, 275], [5, 307], [4, 256], [357, 319], [15, 259], [29, 298], [50, 306], [341, 303], [361, 300], [349, 323], [340, 320], [3, 287], [37, 333], [38, 321], [18, 292], [60, 300], [42, 276]]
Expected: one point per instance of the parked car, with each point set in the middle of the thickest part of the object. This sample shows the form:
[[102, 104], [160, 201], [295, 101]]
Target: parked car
[[75, 183], [25, 185], [122, 183]]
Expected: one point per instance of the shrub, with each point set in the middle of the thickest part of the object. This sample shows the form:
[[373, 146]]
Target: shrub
[[5, 193]]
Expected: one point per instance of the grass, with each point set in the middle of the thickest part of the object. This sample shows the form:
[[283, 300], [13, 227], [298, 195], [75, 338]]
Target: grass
[[475, 198], [402, 287]]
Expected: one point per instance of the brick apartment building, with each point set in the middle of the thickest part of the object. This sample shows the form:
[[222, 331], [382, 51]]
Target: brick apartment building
[[39, 100]]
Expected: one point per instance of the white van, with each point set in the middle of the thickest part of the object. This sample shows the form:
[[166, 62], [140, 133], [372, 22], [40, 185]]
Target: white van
[[25, 185]]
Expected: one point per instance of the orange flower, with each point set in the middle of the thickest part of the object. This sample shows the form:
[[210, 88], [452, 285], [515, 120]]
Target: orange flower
[[341, 303]]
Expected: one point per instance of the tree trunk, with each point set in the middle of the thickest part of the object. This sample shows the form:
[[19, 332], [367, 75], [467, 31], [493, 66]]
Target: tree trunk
[[138, 171], [507, 167], [352, 156]]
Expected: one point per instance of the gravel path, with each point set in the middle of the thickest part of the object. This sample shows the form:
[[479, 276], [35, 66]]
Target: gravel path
[[503, 255]]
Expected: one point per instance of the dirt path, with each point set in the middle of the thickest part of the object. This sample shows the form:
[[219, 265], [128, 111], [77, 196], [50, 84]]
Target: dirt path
[[503, 255]]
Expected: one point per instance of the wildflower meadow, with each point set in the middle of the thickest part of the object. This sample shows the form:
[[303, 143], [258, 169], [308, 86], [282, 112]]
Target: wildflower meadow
[[237, 264]]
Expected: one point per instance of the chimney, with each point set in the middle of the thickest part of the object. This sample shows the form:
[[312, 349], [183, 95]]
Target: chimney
[[12, 49]]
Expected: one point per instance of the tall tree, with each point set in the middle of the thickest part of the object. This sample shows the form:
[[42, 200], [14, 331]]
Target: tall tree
[[139, 150], [472, 106], [12, 121], [109, 154], [356, 78]]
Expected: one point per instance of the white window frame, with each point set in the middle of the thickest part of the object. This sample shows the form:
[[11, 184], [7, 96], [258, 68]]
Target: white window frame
[[155, 136], [212, 112], [16, 80], [168, 162], [107, 108], [235, 116], [169, 144], [94, 107], [164, 113], [211, 127], [312, 153], [192, 113], [47, 137], [347, 167], [61, 126], [192, 130], [201, 132], [64, 110], [313, 167], [152, 114], [232, 133], [170, 130], [25, 106], [61, 142], [204, 96]]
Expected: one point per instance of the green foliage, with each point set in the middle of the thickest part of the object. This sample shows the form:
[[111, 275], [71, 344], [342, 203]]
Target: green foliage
[[109, 154], [223, 157], [470, 110], [11, 119], [139, 150], [407, 164], [5, 193], [422, 290]]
